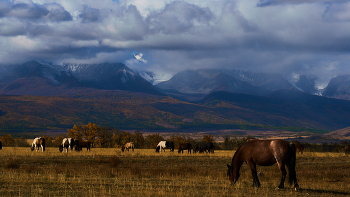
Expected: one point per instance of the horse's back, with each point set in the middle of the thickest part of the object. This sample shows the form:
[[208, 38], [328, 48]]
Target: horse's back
[[265, 152]]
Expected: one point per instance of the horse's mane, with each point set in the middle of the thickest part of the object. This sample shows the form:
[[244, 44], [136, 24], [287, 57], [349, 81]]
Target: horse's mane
[[237, 152]]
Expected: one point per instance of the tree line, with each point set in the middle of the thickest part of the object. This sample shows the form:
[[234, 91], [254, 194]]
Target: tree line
[[107, 137]]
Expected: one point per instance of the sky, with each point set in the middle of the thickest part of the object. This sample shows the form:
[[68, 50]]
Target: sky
[[292, 37]]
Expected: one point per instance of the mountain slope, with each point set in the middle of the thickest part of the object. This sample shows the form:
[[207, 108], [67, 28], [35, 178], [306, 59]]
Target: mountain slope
[[287, 107], [338, 87], [130, 110]]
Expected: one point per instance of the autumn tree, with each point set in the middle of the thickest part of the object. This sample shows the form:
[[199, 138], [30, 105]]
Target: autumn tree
[[21, 142], [7, 140], [177, 140], [87, 132], [75, 133], [104, 137], [58, 140], [139, 139], [208, 138], [153, 140]]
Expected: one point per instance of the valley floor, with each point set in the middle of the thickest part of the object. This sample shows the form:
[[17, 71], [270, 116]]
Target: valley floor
[[109, 172]]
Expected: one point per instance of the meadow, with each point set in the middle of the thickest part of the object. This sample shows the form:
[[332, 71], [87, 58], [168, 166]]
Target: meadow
[[110, 172]]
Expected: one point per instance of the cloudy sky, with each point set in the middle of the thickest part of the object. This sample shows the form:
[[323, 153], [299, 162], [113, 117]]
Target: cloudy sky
[[286, 36]]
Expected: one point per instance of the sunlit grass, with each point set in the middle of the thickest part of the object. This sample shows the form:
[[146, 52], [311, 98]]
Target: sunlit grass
[[110, 172]]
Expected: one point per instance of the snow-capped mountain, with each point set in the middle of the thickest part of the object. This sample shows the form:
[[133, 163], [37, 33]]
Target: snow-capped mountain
[[338, 87], [40, 78], [152, 77], [205, 81]]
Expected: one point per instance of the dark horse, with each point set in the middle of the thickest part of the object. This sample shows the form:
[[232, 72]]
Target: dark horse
[[347, 149], [203, 146], [299, 148], [264, 153], [185, 146], [79, 145]]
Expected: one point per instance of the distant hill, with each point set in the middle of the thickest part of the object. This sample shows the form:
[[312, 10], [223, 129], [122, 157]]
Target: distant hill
[[135, 110], [286, 107]]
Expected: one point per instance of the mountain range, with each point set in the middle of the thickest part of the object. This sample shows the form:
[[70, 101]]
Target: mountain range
[[44, 79], [111, 94]]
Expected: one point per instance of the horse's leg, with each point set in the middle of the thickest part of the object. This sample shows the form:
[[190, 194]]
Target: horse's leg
[[252, 165], [42, 148], [284, 173]]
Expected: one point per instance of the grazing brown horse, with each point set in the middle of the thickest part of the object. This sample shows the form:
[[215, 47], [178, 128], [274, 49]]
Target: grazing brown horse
[[128, 145], [185, 146], [264, 153], [347, 149], [299, 148], [38, 142], [82, 144]]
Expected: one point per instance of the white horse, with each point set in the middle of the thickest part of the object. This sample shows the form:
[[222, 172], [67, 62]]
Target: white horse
[[165, 144], [37, 142], [67, 143]]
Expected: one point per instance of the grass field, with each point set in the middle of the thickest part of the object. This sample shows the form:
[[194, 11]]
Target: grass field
[[109, 172]]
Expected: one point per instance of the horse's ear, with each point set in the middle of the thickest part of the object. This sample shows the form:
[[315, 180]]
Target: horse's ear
[[228, 166]]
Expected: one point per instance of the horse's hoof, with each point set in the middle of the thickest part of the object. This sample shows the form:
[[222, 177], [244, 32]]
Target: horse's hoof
[[296, 187]]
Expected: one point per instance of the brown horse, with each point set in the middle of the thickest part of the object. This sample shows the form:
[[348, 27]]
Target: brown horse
[[299, 148], [38, 142], [264, 153], [82, 144], [185, 146], [128, 145], [347, 149]]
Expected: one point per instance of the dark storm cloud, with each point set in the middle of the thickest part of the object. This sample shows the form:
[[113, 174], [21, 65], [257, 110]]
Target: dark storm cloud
[[30, 11], [89, 14], [58, 13], [288, 36], [178, 17], [263, 3]]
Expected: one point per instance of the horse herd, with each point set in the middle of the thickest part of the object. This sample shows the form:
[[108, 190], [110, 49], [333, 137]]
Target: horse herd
[[67, 143], [199, 147], [252, 152]]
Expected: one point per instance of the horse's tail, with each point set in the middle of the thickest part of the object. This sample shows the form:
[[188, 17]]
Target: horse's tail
[[43, 143], [291, 167]]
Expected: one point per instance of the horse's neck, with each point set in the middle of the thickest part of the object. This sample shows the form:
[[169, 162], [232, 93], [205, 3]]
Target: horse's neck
[[237, 161]]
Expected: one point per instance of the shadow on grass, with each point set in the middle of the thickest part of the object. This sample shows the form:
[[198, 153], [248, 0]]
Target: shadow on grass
[[323, 191]]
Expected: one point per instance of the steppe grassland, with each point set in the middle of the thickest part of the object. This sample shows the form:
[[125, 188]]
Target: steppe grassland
[[108, 171]]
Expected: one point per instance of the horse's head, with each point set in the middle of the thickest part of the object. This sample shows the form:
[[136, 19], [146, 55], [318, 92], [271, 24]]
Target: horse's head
[[60, 148], [233, 177], [123, 148], [157, 149], [32, 148]]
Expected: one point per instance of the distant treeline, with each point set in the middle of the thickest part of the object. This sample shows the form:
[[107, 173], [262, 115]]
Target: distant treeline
[[106, 137]]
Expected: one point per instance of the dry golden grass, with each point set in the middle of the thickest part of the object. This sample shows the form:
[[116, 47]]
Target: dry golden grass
[[109, 172]]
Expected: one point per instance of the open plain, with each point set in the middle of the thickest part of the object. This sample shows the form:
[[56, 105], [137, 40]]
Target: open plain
[[109, 172]]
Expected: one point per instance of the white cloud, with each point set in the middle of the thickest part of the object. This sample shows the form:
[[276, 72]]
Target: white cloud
[[138, 56]]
